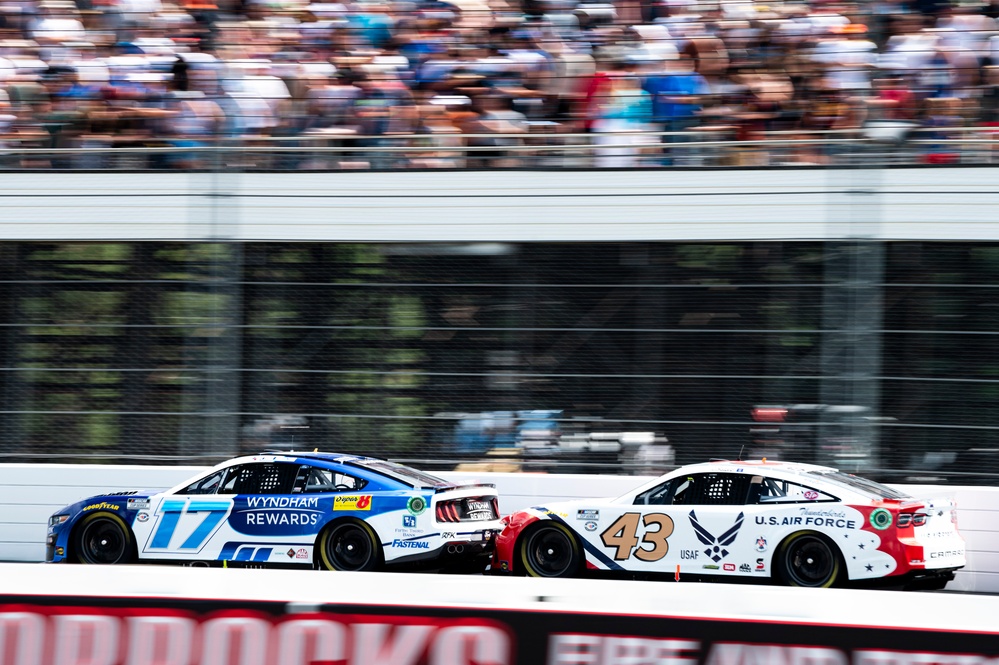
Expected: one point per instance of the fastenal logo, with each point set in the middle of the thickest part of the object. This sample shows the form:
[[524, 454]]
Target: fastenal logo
[[716, 551], [354, 502], [411, 544]]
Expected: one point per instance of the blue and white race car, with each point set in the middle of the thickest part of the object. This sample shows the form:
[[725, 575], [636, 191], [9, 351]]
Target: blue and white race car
[[324, 510]]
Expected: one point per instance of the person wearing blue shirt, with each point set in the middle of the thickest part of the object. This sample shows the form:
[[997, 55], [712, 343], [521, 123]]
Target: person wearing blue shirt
[[677, 97]]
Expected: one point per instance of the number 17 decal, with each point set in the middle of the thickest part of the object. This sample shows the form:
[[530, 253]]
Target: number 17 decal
[[214, 511], [623, 536]]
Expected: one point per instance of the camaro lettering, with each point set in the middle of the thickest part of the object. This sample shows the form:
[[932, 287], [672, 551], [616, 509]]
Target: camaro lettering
[[275, 518], [244, 637], [411, 544], [946, 554]]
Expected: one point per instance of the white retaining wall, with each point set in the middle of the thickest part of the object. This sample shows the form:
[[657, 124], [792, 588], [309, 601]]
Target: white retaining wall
[[505, 206], [29, 493]]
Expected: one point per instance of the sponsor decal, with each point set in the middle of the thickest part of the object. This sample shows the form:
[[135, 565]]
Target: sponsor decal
[[716, 545], [880, 519], [689, 554], [730, 567], [283, 502], [411, 544], [142, 517], [280, 518], [823, 512], [449, 535], [138, 504], [587, 514], [356, 502], [102, 506], [416, 505], [474, 506], [761, 544], [302, 553], [291, 553], [760, 565], [744, 568], [409, 521], [710, 566], [799, 520], [557, 514], [49, 636], [590, 526], [811, 495]]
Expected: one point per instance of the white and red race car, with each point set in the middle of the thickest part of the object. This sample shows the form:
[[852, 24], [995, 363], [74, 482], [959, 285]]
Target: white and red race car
[[795, 524]]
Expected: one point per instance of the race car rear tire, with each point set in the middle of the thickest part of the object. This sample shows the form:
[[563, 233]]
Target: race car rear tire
[[550, 550], [808, 559], [102, 539], [349, 545]]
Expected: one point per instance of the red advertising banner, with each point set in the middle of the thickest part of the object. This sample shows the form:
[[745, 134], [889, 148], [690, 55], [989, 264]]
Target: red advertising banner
[[75, 631]]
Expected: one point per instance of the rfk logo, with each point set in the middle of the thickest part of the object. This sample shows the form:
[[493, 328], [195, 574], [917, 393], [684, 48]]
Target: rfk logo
[[716, 546]]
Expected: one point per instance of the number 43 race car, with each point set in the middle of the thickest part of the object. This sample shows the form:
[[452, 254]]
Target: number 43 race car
[[796, 524], [303, 509]]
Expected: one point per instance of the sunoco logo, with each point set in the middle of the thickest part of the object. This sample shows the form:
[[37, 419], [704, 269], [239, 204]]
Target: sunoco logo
[[411, 544]]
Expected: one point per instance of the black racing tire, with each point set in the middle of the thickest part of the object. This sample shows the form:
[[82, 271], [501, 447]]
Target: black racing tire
[[103, 539], [808, 559], [550, 549], [349, 545]]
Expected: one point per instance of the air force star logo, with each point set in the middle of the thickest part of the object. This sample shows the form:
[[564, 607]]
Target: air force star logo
[[716, 546]]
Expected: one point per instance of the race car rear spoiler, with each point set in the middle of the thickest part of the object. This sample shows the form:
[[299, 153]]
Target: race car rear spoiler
[[461, 486]]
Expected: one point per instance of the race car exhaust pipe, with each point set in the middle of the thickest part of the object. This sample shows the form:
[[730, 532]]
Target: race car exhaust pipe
[[455, 549]]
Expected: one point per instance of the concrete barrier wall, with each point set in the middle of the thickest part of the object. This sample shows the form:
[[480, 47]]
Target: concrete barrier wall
[[505, 206], [166, 615], [29, 493]]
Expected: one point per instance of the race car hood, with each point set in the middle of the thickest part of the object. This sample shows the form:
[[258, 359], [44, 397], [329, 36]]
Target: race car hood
[[115, 502]]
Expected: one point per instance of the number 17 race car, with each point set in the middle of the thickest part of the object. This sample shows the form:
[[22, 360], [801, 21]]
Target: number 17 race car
[[325, 510], [795, 524]]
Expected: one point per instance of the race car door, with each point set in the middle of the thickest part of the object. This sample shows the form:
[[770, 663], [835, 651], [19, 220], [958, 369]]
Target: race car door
[[183, 523], [688, 521]]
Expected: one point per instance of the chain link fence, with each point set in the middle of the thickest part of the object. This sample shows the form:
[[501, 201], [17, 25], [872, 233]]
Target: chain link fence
[[616, 357]]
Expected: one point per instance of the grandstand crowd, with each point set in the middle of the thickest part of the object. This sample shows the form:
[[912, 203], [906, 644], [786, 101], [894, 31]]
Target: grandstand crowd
[[415, 83]]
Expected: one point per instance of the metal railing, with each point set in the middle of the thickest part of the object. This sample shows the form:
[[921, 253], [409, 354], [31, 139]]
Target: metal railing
[[344, 150]]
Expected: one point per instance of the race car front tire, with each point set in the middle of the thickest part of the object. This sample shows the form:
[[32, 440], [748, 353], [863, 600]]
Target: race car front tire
[[549, 549], [808, 559], [103, 538], [349, 545]]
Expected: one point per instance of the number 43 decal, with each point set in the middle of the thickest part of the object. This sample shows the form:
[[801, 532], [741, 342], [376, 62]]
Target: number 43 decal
[[623, 536]]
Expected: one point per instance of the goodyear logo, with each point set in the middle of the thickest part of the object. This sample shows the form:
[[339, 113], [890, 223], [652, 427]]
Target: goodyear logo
[[102, 506], [411, 544], [354, 502]]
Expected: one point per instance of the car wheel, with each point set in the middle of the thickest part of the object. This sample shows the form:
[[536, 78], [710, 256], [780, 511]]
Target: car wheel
[[551, 550], [103, 538], [349, 546], [809, 560]]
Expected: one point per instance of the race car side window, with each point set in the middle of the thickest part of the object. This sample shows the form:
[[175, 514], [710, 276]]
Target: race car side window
[[675, 491], [207, 485], [773, 490], [720, 489], [312, 479], [261, 478]]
